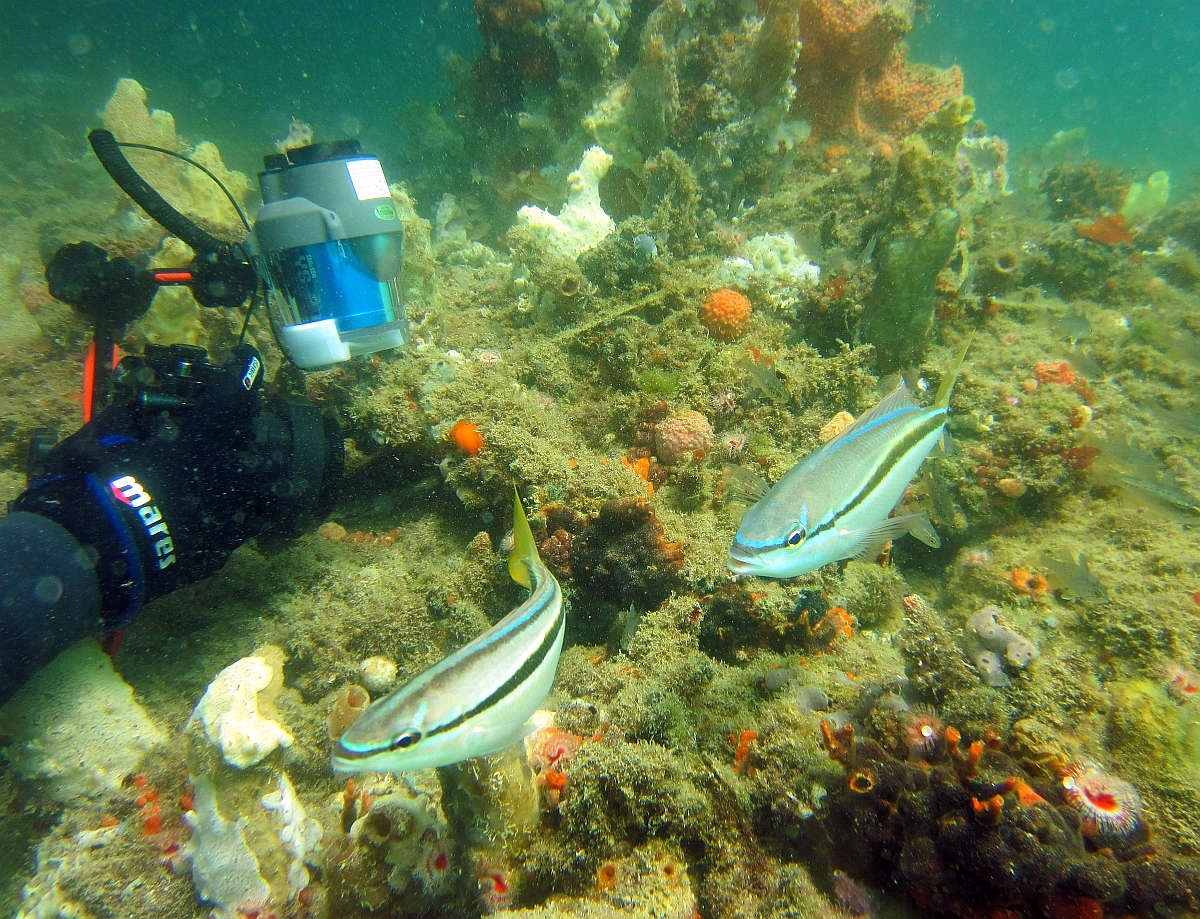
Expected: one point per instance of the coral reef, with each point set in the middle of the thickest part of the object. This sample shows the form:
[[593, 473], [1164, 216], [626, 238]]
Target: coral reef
[[980, 824], [1014, 733]]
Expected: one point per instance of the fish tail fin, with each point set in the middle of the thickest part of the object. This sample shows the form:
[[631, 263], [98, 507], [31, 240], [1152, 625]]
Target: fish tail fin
[[947, 387], [524, 550]]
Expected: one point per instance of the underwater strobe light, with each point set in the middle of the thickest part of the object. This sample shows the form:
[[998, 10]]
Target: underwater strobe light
[[330, 244]]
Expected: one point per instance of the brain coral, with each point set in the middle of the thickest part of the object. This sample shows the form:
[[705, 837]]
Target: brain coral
[[726, 314]]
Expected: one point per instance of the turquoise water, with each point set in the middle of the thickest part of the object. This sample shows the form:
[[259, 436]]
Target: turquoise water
[[1127, 71], [236, 73]]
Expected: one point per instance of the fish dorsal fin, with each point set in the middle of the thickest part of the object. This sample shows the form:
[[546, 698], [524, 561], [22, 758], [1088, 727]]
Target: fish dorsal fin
[[524, 550], [897, 400], [947, 387]]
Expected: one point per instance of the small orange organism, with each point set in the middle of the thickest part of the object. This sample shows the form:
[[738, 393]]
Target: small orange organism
[[606, 877], [466, 436], [1109, 231], [1029, 583], [834, 624], [641, 468], [741, 751], [554, 785], [1054, 372], [726, 314]]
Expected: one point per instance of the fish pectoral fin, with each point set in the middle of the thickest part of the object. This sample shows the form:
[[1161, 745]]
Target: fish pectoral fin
[[743, 489], [871, 542], [946, 445]]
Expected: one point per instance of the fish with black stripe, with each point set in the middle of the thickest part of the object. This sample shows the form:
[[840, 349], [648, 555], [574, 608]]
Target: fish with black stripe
[[477, 700], [834, 504]]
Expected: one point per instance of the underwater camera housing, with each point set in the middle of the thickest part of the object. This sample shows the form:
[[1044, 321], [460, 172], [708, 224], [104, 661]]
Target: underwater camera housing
[[330, 244]]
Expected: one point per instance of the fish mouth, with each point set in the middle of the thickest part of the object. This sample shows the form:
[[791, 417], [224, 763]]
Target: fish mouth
[[742, 560]]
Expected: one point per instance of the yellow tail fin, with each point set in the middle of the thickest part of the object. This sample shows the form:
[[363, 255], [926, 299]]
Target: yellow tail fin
[[524, 550], [947, 387]]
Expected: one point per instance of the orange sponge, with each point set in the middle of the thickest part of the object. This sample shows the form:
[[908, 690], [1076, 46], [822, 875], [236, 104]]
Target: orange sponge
[[726, 314]]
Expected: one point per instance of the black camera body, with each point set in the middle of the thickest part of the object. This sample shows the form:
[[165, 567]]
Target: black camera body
[[181, 460], [187, 462]]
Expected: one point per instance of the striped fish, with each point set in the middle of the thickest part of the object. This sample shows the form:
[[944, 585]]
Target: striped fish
[[477, 700], [834, 504]]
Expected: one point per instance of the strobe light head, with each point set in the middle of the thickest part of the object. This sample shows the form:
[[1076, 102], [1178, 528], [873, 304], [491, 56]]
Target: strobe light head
[[330, 245]]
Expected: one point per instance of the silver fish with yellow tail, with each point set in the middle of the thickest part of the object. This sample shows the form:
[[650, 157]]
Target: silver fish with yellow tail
[[835, 503], [477, 700]]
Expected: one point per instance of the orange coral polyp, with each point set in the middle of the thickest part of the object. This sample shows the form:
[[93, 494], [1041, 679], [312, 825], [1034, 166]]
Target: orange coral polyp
[[726, 314], [466, 436]]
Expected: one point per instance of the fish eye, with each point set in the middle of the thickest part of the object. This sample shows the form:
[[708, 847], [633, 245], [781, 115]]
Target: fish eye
[[406, 740], [796, 537]]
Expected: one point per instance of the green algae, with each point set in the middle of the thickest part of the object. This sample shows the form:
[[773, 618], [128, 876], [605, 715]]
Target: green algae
[[658, 382]]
